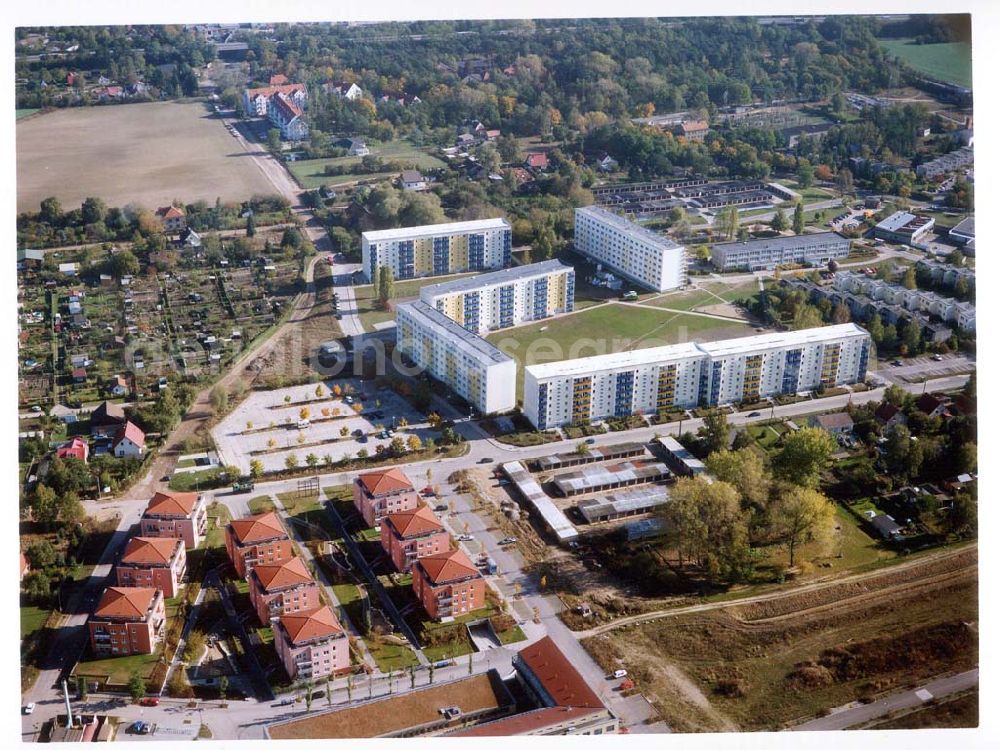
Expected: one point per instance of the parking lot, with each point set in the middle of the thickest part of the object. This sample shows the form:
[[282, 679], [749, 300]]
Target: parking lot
[[344, 418]]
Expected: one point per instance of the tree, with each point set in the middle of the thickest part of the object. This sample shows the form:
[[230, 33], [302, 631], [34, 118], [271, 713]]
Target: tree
[[251, 226], [845, 181], [41, 554], [715, 432], [801, 515], [386, 290], [910, 279], [136, 686], [912, 337], [311, 460], [274, 139], [804, 455], [745, 470], [194, 646], [799, 219], [219, 398], [51, 211], [805, 176], [780, 222], [728, 221], [841, 314], [396, 446], [707, 524], [291, 461], [319, 391], [81, 687], [414, 443], [309, 695], [582, 448], [304, 412], [963, 515], [93, 210], [329, 693], [223, 687]]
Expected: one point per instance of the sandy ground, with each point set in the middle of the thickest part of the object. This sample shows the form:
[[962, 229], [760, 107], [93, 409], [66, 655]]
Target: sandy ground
[[147, 154]]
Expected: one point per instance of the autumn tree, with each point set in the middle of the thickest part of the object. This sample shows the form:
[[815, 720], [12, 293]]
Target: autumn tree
[[745, 470], [804, 455], [801, 515]]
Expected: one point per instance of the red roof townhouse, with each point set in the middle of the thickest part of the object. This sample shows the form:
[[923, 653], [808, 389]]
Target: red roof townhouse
[[153, 563], [176, 515], [127, 621], [448, 584], [172, 218], [129, 441], [283, 589], [257, 540], [311, 645], [379, 493], [411, 535], [76, 448]]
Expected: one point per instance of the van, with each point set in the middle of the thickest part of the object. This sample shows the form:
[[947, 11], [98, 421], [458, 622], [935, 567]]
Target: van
[[302, 424]]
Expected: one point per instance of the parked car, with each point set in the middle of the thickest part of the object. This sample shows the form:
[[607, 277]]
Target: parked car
[[754, 414], [590, 441], [938, 358], [149, 701], [464, 538], [508, 540], [440, 508], [620, 673], [897, 363], [485, 460], [29, 708]]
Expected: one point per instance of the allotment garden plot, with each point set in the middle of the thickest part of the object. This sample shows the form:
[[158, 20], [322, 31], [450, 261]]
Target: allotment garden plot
[[271, 426]]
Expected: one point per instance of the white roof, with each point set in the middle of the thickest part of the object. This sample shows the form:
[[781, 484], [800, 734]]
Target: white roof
[[529, 488], [630, 228], [440, 325], [435, 230], [495, 278], [622, 360], [748, 344]]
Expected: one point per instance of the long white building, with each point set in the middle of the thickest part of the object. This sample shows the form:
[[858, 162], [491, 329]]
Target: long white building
[[487, 302], [469, 365], [632, 251], [437, 249], [758, 255], [684, 375]]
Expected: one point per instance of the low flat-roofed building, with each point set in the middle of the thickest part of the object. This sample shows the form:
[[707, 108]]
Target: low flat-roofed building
[[623, 504], [904, 227], [680, 460], [532, 493], [766, 254], [589, 456], [416, 713], [965, 231], [598, 478]]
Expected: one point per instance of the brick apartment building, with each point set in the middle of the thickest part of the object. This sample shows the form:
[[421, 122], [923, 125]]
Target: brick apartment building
[[148, 562], [127, 621], [412, 534], [379, 493], [257, 540], [283, 589], [448, 584], [311, 645], [178, 515]]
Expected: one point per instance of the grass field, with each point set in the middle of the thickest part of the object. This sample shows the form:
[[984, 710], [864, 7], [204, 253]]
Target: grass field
[[705, 294], [147, 154], [117, 670], [605, 329], [22, 113], [405, 292], [947, 61], [310, 175], [32, 619]]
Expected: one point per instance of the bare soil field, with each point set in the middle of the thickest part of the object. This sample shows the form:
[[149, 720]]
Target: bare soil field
[[764, 665], [147, 154]]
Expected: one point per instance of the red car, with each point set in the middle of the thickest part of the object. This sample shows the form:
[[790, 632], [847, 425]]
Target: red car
[[149, 702]]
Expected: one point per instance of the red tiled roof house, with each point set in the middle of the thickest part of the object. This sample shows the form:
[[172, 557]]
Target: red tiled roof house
[[129, 441], [379, 493], [127, 621], [172, 218], [76, 448], [311, 645], [153, 563], [411, 535], [284, 589], [257, 540], [178, 515], [448, 584]]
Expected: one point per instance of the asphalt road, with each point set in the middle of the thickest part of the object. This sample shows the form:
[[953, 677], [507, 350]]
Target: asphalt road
[[854, 714]]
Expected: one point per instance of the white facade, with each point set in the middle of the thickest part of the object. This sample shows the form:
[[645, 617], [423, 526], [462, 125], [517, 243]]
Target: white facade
[[501, 299], [474, 369], [632, 251], [757, 255], [437, 249], [684, 375]]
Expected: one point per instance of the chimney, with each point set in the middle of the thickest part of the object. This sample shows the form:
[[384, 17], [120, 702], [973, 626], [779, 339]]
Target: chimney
[[69, 710]]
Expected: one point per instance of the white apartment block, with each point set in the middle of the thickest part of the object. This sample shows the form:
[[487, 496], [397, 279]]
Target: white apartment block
[[487, 302], [634, 252], [437, 249], [684, 375], [469, 365]]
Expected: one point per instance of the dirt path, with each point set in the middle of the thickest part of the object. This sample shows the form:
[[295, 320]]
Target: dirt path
[[912, 580]]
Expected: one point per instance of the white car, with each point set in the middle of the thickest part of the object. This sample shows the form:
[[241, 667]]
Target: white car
[[620, 673], [29, 708]]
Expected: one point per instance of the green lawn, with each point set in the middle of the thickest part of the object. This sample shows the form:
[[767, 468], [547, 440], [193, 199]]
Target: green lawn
[[32, 619], [262, 504], [706, 294], [27, 112], [404, 292], [946, 61], [310, 175], [606, 329], [117, 670], [392, 657], [514, 635]]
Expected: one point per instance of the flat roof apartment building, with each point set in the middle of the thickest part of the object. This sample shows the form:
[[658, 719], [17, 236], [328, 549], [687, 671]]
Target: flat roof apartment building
[[437, 249], [487, 302], [765, 254], [473, 368], [720, 372], [634, 252]]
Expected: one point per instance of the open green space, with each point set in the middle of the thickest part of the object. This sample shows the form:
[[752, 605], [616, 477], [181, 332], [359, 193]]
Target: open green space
[[27, 112], [705, 294], [370, 313], [945, 61], [117, 670], [606, 329], [310, 174], [32, 619], [391, 657]]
